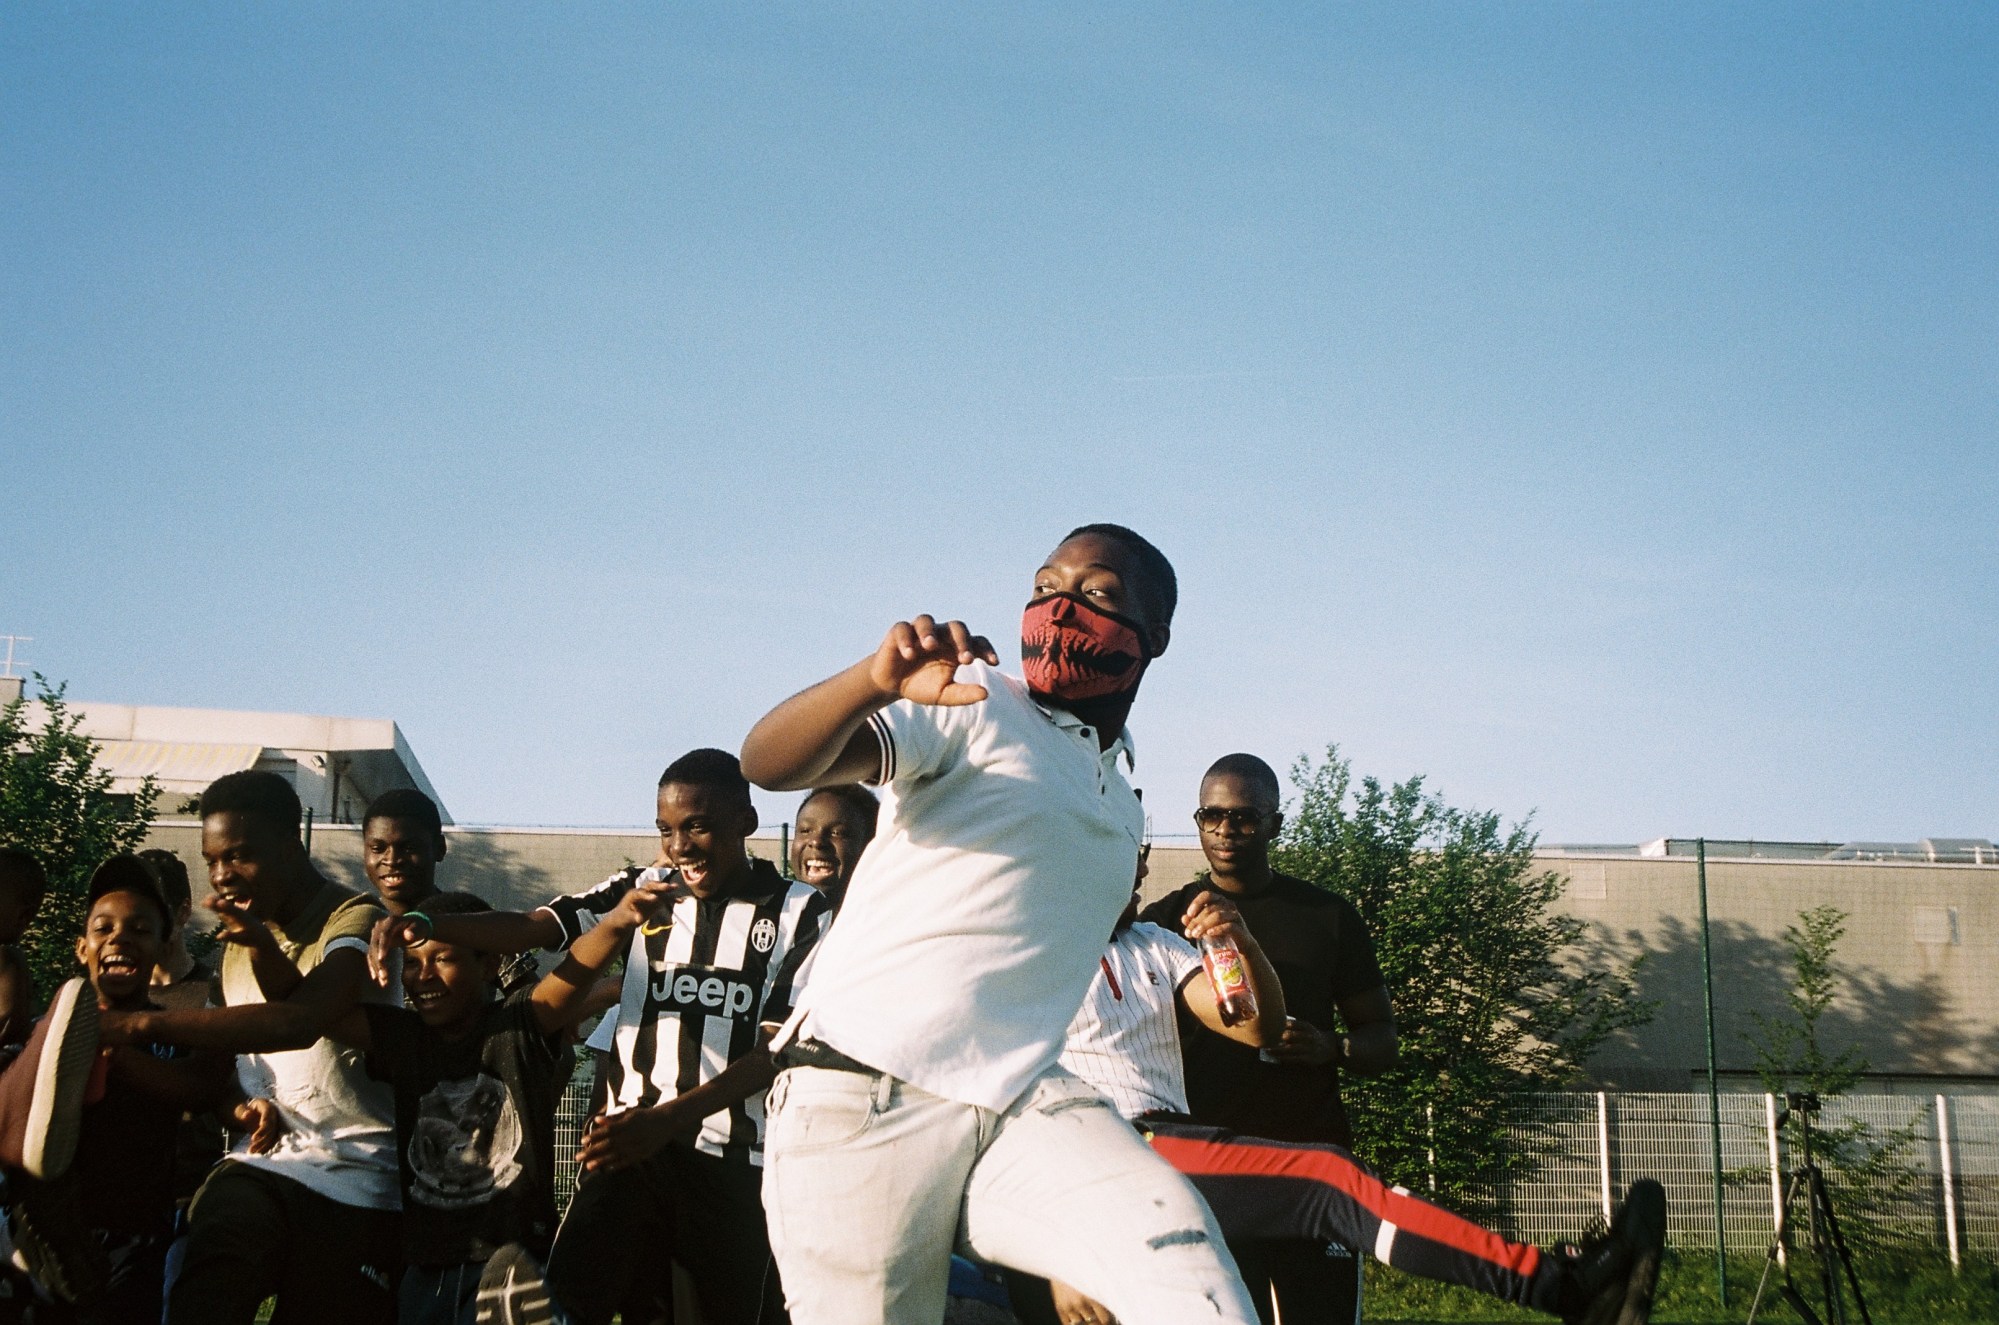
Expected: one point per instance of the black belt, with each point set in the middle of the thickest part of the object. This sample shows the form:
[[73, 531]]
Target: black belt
[[817, 1053]]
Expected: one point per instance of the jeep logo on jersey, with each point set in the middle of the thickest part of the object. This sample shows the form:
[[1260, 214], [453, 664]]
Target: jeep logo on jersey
[[701, 990], [763, 935]]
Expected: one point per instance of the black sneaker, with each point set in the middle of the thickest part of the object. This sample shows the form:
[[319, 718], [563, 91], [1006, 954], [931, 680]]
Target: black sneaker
[[1616, 1270], [511, 1291]]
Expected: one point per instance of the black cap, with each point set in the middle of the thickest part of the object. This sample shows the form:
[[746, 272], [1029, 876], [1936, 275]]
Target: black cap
[[126, 873]]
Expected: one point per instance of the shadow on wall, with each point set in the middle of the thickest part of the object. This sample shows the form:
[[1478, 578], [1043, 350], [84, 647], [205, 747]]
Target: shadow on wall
[[1907, 1026]]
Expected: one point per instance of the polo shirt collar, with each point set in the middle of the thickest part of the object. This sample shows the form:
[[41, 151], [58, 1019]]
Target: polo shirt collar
[[1069, 722]]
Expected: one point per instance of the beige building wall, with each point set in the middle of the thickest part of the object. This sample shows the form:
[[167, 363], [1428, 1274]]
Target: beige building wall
[[1922, 945]]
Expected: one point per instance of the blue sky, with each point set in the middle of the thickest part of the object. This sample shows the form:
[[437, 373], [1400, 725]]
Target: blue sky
[[1589, 407]]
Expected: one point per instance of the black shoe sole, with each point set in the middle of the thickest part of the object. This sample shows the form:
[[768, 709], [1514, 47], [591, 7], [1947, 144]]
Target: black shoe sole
[[1644, 1231]]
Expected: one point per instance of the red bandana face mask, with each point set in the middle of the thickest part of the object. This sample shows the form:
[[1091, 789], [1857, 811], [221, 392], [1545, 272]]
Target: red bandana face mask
[[1070, 650]]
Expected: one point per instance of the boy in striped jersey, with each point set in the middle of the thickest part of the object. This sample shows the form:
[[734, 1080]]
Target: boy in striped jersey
[[713, 945], [1125, 1041]]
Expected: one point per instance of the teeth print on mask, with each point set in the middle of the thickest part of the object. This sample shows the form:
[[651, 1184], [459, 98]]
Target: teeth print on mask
[[1072, 650]]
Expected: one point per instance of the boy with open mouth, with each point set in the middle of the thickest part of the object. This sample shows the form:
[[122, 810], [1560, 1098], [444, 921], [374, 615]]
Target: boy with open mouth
[[95, 1231]]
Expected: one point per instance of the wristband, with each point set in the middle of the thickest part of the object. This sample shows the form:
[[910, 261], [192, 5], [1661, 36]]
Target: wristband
[[429, 925]]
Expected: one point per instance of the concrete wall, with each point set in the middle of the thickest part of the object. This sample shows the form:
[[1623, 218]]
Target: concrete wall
[[1924, 1009]]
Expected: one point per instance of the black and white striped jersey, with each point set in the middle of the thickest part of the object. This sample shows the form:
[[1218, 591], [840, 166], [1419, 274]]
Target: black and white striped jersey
[[697, 987], [1125, 1039]]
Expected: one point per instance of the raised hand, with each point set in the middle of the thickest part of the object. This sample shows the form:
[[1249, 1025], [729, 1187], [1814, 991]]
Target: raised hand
[[386, 943], [235, 923], [919, 660]]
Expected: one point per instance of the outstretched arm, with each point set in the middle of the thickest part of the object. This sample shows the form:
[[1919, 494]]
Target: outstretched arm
[[327, 994], [1212, 915], [567, 994], [488, 931], [817, 737]]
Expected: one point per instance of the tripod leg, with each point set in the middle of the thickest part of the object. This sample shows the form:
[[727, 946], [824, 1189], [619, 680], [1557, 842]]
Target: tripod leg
[[1818, 1206], [1839, 1249], [1778, 1244]]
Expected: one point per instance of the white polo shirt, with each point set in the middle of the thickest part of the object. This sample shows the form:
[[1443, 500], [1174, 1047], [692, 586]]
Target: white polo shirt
[[1125, 1040], [975, 918]]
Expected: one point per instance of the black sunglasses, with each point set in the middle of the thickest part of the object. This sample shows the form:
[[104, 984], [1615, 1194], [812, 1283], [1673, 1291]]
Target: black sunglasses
[[1214, 816]]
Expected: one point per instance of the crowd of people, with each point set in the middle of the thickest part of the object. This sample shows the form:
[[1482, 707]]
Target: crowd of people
[[944, 1029]]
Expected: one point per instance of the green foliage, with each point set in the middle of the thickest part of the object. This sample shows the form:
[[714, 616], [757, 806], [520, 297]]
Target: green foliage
[[1867, 1169], [57, 803], [1490, 992]]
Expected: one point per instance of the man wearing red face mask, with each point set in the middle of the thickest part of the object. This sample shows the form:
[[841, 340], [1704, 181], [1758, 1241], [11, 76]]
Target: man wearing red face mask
[[921, 1102]]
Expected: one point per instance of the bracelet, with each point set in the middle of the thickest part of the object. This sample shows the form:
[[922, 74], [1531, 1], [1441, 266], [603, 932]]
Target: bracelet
[[429, 925]]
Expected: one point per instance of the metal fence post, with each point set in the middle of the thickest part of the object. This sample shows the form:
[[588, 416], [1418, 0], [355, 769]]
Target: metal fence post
[[1776, 1174], [1713, 1082], [1430, 1120], [1949, 1184], [1603, 1147]]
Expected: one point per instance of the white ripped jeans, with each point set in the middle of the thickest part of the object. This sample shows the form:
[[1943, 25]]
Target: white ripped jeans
[[870, 1183]]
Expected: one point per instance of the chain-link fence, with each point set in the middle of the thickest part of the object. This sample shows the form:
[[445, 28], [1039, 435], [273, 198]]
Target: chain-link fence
[[1941, 1192], [1588, 1147]]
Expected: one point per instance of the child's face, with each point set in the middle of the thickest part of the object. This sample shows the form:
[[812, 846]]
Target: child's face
[[400, 858], [448, 983], [830, 834], [701, 833], [248, 861], [123, 938]]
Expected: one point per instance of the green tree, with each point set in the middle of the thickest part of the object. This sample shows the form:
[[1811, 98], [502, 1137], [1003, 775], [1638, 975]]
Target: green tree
[[1493, 993], [57, 803], [1867, 1168]]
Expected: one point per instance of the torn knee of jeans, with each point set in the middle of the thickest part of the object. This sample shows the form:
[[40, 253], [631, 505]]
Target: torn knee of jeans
[[1180, 1238]]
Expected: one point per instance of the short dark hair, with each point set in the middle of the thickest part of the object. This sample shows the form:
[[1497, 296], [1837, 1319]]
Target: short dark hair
[[22, 868], [172, 873], [407, 804], [854, 795], [1251, 770], [255, 794], [454, 904], [125, 873], [1165, 584], [708, 767]]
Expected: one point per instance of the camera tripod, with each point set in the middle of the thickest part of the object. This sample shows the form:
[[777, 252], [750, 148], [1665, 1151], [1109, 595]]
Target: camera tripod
[[1828, 1244]]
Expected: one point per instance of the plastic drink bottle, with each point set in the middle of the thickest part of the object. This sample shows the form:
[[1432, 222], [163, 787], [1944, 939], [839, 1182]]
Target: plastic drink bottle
[[1229, 974]]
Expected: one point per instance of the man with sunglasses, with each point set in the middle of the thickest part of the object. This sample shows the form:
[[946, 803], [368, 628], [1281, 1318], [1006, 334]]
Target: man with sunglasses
[[1340, 1019]]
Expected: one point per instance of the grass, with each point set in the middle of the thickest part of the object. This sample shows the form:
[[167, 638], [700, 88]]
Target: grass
[[1901, 1288]]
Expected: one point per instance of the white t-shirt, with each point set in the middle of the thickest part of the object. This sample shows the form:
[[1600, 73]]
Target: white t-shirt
[[1125, 1040], [340, 1123], [1007, 848]]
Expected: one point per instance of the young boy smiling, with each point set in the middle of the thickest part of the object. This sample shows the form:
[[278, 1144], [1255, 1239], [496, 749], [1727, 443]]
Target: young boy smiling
[[97, 1235], [834, 826], [713, 941]]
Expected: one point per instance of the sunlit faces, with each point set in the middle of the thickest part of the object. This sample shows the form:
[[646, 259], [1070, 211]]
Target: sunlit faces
[[400, 857], [1238, 821], [447, 983], [701, 834], [124, 937], [249, 861], [830, 834]]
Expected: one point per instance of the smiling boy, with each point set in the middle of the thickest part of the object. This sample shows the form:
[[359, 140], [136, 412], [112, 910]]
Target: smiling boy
[[713, 942], [315, 1220], [834, 826], [921, 1102], [97, 1234], [402, 844]]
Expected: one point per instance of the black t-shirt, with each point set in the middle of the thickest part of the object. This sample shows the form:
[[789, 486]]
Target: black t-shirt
[[475, 1129], [125, 1157], [1320, 948]]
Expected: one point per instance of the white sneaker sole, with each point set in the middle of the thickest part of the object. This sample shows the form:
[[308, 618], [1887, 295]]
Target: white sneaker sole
[[55, 1109]]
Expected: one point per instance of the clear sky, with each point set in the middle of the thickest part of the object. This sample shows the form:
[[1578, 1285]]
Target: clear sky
[[1591, 407]]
